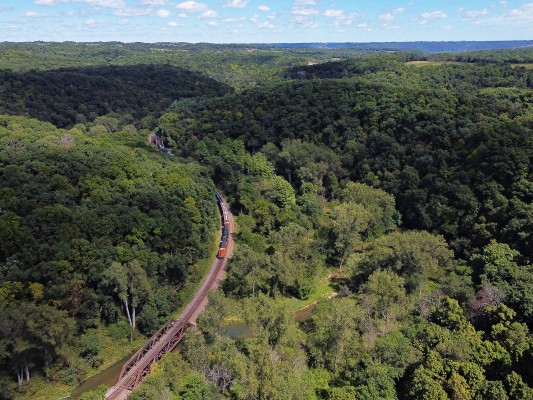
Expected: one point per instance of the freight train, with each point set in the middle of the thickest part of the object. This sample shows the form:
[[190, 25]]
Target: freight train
[[225, 226]]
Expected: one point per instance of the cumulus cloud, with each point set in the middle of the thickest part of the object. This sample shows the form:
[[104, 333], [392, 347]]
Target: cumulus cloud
[[209, 14], [468, 14], [391, 15], [153, 2], [305, 21], [236, 3], [132, 12], [234, 20], [33, 14], [212, 23], [430, 16], [339, 17], [305, 11], [163, 13], [99, 3], [334, 13], [263, 8], [299, 3], [265, 25], [173, 24], [191, 6], [522, 14]]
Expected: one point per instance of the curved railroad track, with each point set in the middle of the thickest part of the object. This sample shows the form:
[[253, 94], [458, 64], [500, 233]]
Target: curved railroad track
[[137, 368]]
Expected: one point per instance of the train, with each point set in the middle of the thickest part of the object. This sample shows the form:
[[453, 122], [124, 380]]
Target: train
[[225, 226]]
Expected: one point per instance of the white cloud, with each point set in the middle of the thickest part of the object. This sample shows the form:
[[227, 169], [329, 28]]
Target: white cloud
[[263, 8], [192, 6], [212, 23], [339, 17], [132, 12], [265, 25], [473, 13], [255, 18], [298, 3], [234, 20], [100, 3], [503, 3], [391, 15], [183, 15], [430, 16], [90, 22], [163, 13], [305, 11], [173, 24], [236, 3], [47, 2], [334, 13], [209, 14], [33, 14], [272, 16], [305, 22], [153, 2], [522, 14], [448, 27]]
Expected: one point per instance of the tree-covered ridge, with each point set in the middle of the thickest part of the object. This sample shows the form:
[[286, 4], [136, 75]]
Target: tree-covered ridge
[[239, 66], [65, 97], [93, 228], [451, 142]]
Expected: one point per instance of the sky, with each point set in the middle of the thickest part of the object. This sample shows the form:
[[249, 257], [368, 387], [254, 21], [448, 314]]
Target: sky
[[264, 21]]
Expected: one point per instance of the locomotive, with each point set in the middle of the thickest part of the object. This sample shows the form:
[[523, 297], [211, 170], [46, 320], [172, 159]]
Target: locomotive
[[225, 226]]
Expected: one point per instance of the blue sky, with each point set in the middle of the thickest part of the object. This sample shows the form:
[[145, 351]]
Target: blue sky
[[260, 21]]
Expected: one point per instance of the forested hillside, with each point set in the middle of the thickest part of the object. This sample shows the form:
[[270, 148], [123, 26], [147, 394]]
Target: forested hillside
[[383, 205], [65, 97], [95, 229], [448, 141]]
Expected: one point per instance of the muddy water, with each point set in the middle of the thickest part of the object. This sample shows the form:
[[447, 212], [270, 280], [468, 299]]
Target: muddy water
[[305, 313], [107, 377], [239, 330]]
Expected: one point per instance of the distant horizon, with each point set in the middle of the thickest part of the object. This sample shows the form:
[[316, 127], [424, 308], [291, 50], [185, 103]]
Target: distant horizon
[[274, 43], [265, 21]]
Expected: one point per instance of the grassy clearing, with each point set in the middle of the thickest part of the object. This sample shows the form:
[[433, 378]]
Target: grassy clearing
[[323, 288], [437, 63], [39, 389], [526, 66]]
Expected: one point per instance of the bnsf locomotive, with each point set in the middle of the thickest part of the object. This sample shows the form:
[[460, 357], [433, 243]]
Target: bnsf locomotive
[[225, 226]]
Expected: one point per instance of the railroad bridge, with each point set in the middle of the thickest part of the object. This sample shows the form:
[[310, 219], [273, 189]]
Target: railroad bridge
[[137, 368]]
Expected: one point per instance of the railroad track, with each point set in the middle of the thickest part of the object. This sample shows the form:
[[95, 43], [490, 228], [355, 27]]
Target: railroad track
[[137, 368]]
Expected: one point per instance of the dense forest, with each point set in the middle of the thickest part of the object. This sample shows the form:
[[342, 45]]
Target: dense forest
[[65, 97], [390, 196]]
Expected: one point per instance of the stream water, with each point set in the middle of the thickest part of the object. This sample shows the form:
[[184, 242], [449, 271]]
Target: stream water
[[239, 330], [236, 330], [107, 377]]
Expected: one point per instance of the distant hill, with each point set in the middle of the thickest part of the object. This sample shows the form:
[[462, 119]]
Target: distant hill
[[429, 47], [70, 95]]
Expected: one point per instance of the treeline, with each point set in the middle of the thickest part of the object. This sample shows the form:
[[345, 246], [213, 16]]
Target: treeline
[[448, 141], [66, 97], [96, 230]]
